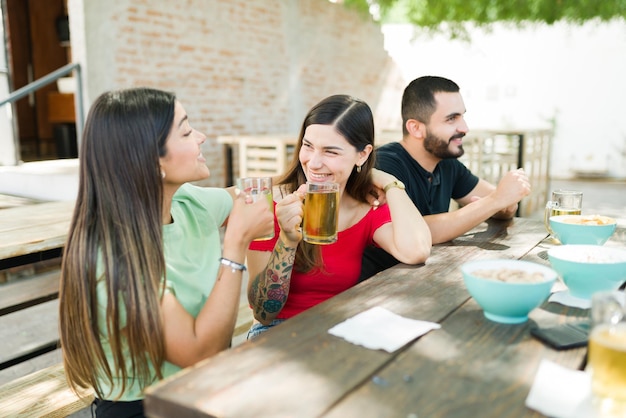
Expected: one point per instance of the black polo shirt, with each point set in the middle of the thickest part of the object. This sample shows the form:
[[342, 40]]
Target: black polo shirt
[[431, 192]]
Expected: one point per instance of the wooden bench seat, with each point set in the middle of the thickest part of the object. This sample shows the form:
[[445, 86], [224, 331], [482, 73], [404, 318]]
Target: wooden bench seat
[[244, 319], [28, 333], [27, 292], [44, 393]]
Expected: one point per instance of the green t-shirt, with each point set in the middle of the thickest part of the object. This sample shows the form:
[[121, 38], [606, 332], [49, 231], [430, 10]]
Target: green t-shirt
[[192, 248]]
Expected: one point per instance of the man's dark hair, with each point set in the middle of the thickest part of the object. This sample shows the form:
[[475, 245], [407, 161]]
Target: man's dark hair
[[418, 99]]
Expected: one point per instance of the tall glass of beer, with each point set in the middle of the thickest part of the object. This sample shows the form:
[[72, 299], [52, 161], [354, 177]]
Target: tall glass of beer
[[258, 188], [563, 202], [321, 213], [607, 352]]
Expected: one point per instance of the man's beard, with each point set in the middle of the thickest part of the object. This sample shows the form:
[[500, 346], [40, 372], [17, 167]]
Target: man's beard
[[440, 147]]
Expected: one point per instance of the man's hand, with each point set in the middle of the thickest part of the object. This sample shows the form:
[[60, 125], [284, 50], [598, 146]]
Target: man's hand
[[512, 188]]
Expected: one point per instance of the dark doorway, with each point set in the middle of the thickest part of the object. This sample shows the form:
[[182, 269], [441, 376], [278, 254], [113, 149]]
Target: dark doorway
[[35, 47]]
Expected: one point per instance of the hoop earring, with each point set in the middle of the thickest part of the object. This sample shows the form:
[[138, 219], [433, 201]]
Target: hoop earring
[[358, 168]]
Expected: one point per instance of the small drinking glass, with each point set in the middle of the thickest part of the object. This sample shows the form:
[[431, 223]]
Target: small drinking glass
[[321, 213], [257, 188]]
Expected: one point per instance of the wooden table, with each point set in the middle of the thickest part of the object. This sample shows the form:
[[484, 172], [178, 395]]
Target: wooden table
[[471, 367], [33, 232]]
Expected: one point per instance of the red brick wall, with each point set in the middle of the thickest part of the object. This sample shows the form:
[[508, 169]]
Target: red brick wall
[[238, 66]]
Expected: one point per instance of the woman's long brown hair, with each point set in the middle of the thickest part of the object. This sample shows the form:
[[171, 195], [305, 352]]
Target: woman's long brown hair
[[352, 118], [115, 237]]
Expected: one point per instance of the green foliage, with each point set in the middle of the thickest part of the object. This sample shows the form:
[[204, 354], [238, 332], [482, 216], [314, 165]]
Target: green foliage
[[430, 14]]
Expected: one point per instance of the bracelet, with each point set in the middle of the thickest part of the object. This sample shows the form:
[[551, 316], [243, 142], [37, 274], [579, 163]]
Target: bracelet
[[233, 265], [395, 183]]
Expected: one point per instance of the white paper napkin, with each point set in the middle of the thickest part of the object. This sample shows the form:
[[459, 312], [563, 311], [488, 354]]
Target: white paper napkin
[[378, 328], [564, 297], [560, 392]]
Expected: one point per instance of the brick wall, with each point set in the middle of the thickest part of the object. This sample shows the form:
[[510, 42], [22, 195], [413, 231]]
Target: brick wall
[[238, 66]]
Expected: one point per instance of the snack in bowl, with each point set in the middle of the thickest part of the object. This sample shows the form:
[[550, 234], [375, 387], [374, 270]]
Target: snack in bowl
[[508, 290], [582, 229], [586, 269]]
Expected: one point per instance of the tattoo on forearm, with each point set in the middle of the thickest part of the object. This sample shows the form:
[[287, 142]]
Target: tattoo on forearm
[[270, 288]]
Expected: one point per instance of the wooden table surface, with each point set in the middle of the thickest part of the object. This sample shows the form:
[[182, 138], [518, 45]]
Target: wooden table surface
[[33, 229], [471, 367]]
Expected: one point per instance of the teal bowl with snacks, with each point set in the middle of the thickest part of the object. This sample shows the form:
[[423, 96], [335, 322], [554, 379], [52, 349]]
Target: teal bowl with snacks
[[586, 269], [508, 290], [582, 229]]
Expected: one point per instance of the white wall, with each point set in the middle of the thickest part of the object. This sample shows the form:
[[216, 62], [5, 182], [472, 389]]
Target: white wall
[[524, 78]]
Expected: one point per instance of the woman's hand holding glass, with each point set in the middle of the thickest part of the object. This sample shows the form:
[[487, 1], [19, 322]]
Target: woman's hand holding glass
[[251, 219], [289, 212]]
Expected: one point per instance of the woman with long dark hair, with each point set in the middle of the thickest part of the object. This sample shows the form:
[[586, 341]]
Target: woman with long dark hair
[[146, 288], [289, 275]]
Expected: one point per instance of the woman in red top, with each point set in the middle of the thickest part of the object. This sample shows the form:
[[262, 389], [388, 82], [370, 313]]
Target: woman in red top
[[289, 275]]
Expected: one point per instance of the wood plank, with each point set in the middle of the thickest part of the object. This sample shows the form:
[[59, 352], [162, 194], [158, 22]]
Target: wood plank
[[308, 366], [472, 359], [31, 366], [244, 319], [27, 292], [29, 331], [42, 394], [34, 228], [34, 215], [472, 368], [30, 240], [273, 362]]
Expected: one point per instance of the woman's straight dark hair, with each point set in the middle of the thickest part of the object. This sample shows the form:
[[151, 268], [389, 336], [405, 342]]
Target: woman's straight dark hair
[[352, 118], [118, 212]]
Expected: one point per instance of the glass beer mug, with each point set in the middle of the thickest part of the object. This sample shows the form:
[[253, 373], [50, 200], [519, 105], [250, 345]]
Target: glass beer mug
[[563, 202], [607, 353], [321, 213]]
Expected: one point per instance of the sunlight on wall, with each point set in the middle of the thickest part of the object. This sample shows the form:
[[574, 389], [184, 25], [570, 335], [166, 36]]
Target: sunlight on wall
[[569, 76]]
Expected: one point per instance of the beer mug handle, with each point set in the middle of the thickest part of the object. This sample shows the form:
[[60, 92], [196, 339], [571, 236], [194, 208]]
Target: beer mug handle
[[546, 217]]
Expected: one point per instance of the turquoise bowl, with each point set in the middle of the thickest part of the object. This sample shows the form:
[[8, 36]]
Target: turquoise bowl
[[508, 302], [581, 229], [586, 269]]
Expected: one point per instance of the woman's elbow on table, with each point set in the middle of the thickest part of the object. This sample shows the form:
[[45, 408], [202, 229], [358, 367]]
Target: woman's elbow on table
[[416, 255], [419, 256]]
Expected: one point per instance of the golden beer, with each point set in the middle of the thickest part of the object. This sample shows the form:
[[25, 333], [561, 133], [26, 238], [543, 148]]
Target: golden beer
[[563, 202], [565, 211], [321, 215], [607, 358], [559, 211]]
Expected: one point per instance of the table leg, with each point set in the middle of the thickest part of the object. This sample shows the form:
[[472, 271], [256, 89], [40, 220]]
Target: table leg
[[228, 165]]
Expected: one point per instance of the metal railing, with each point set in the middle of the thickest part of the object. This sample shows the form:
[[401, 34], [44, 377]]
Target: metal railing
[[49, 79]]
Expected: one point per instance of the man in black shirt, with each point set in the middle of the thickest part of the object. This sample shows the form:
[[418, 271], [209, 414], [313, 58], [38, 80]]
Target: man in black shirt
[[426, 161]]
